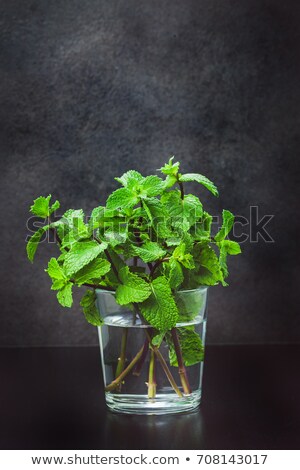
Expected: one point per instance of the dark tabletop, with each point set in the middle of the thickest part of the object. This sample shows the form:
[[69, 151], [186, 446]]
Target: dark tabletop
[[52, 398]]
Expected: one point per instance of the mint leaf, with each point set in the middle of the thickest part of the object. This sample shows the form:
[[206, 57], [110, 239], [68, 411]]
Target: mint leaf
[[58, 284], [175, 274], [90, 310], [40, 206], [200, 179], [138, 186], [54, 207], [231, 247], [94, 270], [33, 242], [160, 309], [211, 272], [191, 347], [55, 271], [64, 296], [152, 186], [149, 251], [115, 233], [132, 289], [170, 181], [96, 217], [171, 171], [81, 254], [157, 213], [71, 227], [186, 259], [182, 214], [170, 168], [201, 230], [227, 247], [122, 198], [228, 219], [130, 179]]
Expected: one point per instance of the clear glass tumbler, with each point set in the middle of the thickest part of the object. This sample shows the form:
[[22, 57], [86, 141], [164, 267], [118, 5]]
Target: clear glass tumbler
[[139, 379]]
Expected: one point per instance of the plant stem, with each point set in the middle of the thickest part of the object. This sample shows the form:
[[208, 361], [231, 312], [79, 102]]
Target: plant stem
[[166, 370], [181, 189], [95, 286], [157, 263], [56, 235], [163, 363], [151, 379], [122, 358], [126, 371], [112, 264], [159, 355], [182, 370], [141, 361]]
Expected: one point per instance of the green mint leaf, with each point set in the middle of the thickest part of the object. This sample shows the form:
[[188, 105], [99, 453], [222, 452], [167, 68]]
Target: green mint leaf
[[228, 219], [81, 254], [89, 308], [158, 216], [132, 289], [115, 232], [211, 272], [94, 270], [152, 186], [170, 168], [73, 217], [71, 227], [130, 179], [64, 296], [40, 206], [170, 181], [231, 247], [58, 284], [200, 179], [122, 198], [149, 251], [54, 270], [201, 230], [54, 207], [160, 309], [184, 258], [96, 217], [227, 247], [178, 237], [182, 213], [175, 274], [147, 211], [33, 242], [191, 347]]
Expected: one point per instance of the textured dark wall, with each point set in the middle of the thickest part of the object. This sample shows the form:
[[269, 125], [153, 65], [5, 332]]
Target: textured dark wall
[[90, 89]]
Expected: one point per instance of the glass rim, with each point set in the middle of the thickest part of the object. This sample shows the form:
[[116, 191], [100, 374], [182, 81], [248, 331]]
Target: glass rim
[[105, 291]]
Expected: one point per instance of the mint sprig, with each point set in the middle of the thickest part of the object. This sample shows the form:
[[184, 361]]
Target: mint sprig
[[150, 241]]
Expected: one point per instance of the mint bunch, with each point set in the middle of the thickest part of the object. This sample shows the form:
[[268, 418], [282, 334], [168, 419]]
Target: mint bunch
[[150, 240]]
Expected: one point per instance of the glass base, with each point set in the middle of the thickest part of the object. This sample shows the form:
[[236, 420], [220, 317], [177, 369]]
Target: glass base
[[162, 404]]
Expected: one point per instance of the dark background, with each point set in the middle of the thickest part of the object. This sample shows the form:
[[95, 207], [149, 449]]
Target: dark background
[[90, 89]]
